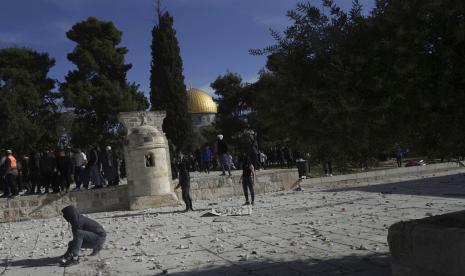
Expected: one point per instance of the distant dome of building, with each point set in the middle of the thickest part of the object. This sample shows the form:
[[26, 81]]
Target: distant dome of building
[[199, 101], [201, 107]]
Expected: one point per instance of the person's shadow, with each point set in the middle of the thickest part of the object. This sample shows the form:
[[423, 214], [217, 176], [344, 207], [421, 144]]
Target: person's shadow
[[42, 262]]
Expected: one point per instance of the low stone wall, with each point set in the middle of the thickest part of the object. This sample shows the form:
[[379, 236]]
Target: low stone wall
[[428, 247], [50, 205], [116, 198], [213, 186], [355, 179]]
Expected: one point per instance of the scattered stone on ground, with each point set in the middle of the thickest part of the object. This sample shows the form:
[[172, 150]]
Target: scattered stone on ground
[[317, 231]]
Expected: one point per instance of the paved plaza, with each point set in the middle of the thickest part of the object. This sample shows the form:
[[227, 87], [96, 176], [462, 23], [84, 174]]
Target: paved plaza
[[341, 231]]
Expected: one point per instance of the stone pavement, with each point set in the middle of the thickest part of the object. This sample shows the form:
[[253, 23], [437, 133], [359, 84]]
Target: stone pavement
[[341, 231]]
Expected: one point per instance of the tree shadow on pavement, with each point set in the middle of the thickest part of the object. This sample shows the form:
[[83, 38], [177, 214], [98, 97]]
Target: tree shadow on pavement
[[25, 263], [375, 264], [445, 186]]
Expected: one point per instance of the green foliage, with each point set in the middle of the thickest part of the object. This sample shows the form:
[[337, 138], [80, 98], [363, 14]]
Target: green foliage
[[98, 90], [350, 87], [168, 91], [27, 104]]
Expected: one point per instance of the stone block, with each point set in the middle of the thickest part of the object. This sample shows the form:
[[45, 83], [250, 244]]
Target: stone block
[[429, 246], [145, 202]]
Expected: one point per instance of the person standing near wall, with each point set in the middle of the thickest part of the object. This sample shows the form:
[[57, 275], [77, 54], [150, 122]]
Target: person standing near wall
[[207, 157], [79, 162], [399, 155], [109, 162], [222, 150], [10, 174], [185, 184], [248, 181]]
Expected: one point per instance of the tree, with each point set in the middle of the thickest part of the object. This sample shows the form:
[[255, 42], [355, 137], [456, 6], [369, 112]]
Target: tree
[[98, 90], [27, 104], [167, 88], [231, 116]]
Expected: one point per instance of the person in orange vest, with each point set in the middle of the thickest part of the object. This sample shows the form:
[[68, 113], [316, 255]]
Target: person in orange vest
[[11, 171]]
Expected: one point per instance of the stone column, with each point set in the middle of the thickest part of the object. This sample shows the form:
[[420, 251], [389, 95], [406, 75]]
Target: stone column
[[147, 160]]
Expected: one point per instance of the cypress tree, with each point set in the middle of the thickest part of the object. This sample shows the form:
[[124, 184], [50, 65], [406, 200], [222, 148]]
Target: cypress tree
[[167, 88]]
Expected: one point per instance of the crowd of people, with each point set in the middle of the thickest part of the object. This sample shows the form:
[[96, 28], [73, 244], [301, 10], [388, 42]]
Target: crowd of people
[[206, 159], [54, 171]]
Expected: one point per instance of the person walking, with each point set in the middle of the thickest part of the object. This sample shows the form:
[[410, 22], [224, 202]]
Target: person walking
[[10, 174], [222, 150], [87, 233], [185, 185], [248, 181]]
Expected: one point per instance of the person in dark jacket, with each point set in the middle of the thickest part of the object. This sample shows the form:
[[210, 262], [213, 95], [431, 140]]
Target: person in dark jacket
[[110, 166], [248, 179], [47, 169], [65, 168], [207, 156], [93, 169], [34, 172], [87, 233], [185, 184]]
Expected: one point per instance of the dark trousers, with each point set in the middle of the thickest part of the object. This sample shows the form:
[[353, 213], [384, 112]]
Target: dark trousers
[[247, 185], [92, 174], [186, 197], [84, 239], [47, 180], [399, 161], [10, 185], [206, 166], [35, 182], [65, 181], [327, 166], [79, 176]]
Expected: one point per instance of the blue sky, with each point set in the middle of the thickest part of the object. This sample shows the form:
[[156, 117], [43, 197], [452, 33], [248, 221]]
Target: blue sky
[[214, 35]]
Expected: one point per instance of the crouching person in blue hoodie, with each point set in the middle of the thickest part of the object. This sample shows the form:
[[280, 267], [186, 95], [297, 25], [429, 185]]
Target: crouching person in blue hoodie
[[87, 233]]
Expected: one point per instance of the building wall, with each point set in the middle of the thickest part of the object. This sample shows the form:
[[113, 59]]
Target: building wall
[[202, 119]]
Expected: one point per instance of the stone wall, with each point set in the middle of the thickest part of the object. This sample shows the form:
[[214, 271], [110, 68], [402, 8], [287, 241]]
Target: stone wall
[[50, 205], [428, 247], [374, 177], [211, 187], [116, 198]]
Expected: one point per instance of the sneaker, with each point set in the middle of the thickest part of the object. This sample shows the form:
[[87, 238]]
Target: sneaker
[[77, 189], [246, 203], [70, 262]]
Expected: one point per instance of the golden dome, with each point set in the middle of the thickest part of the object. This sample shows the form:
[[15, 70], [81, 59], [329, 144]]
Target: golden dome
[[199, 101]]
